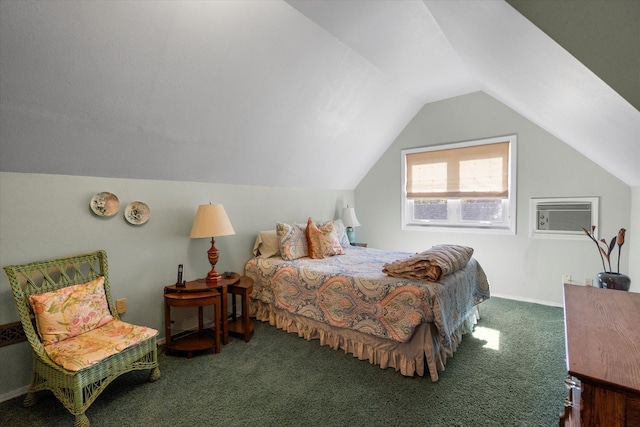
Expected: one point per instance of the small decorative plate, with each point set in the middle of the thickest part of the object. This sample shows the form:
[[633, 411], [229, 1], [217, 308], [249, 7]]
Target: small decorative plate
[[137, 213], [105, 204]]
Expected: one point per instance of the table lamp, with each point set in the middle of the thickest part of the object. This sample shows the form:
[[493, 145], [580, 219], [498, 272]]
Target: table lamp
[[211, 221], [349, 220]]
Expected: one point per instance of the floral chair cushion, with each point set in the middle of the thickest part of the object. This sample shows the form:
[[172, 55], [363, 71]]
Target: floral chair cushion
[[70, 311], [89, 348]]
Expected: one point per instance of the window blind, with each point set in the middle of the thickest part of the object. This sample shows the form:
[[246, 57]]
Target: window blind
[[479, 171]]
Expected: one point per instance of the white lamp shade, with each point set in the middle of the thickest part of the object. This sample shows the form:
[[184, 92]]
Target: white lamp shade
[[349, 217], [211, 221]]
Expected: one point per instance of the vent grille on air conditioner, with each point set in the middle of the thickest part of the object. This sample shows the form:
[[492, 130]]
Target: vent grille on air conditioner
[[563, 217]]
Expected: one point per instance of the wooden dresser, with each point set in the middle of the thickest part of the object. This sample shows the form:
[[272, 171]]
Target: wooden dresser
[[602, 332]]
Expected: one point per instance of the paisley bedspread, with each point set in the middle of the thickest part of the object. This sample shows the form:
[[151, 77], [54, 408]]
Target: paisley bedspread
[[350, 291]]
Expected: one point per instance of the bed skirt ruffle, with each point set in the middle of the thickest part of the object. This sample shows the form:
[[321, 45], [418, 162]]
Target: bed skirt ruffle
[[407, 358]]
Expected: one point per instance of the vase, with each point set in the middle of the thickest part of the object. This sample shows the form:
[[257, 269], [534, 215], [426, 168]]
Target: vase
[[617, 281]]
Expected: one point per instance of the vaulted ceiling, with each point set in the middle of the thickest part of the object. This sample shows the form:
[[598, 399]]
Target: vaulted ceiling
[[280, 93], [604, 35]]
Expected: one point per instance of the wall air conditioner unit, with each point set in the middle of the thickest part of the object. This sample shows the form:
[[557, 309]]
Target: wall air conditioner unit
[[563, 217]]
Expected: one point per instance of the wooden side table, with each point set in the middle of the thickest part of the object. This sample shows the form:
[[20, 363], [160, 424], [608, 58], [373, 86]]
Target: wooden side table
[[243, 326], [196, 340], [200, 285]]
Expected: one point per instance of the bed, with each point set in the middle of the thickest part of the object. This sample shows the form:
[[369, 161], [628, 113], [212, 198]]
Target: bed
[[347, 302]]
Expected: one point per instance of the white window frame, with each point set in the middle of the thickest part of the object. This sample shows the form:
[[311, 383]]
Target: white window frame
[[507, 226]]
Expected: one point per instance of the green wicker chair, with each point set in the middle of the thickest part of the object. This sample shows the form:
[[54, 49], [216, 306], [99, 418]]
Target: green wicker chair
[[76, 390]]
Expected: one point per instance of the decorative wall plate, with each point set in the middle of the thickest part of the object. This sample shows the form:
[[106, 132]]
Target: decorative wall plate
[[105, 204], [137, 213]]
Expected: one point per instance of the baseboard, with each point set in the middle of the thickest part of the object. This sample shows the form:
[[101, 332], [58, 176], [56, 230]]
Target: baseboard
[[531, 300], [14, 393]]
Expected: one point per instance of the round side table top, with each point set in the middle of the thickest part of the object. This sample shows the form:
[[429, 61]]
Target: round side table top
[[200, 285]]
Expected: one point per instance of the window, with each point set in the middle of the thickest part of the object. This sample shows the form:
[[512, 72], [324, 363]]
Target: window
[[469, 185]]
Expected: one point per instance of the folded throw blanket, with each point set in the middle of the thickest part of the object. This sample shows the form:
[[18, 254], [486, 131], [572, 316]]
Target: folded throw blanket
[[432, 264]]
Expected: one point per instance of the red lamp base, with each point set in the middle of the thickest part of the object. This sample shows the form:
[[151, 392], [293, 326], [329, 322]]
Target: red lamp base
[[213, 276]]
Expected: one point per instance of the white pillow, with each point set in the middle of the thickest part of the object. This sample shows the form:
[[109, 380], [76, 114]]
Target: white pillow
[[266, 244], [341, 230]]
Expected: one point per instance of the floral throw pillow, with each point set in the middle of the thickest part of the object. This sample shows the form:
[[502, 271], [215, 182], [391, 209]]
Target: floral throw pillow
[[322, 240], [70, 311], [292, 240]]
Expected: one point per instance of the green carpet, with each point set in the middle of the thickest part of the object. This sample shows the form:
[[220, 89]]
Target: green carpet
[[279, 379]]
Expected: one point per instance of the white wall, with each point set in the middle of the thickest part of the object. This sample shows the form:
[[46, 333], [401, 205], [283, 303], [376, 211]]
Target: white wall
[[518, 266], [46, 216]]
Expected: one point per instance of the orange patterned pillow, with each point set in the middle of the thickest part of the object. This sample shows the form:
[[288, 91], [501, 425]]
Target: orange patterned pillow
[[70, 311], [322, 240]]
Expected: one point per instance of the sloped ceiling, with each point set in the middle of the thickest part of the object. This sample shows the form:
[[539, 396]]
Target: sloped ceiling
[[299, 93], [604, 35]]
